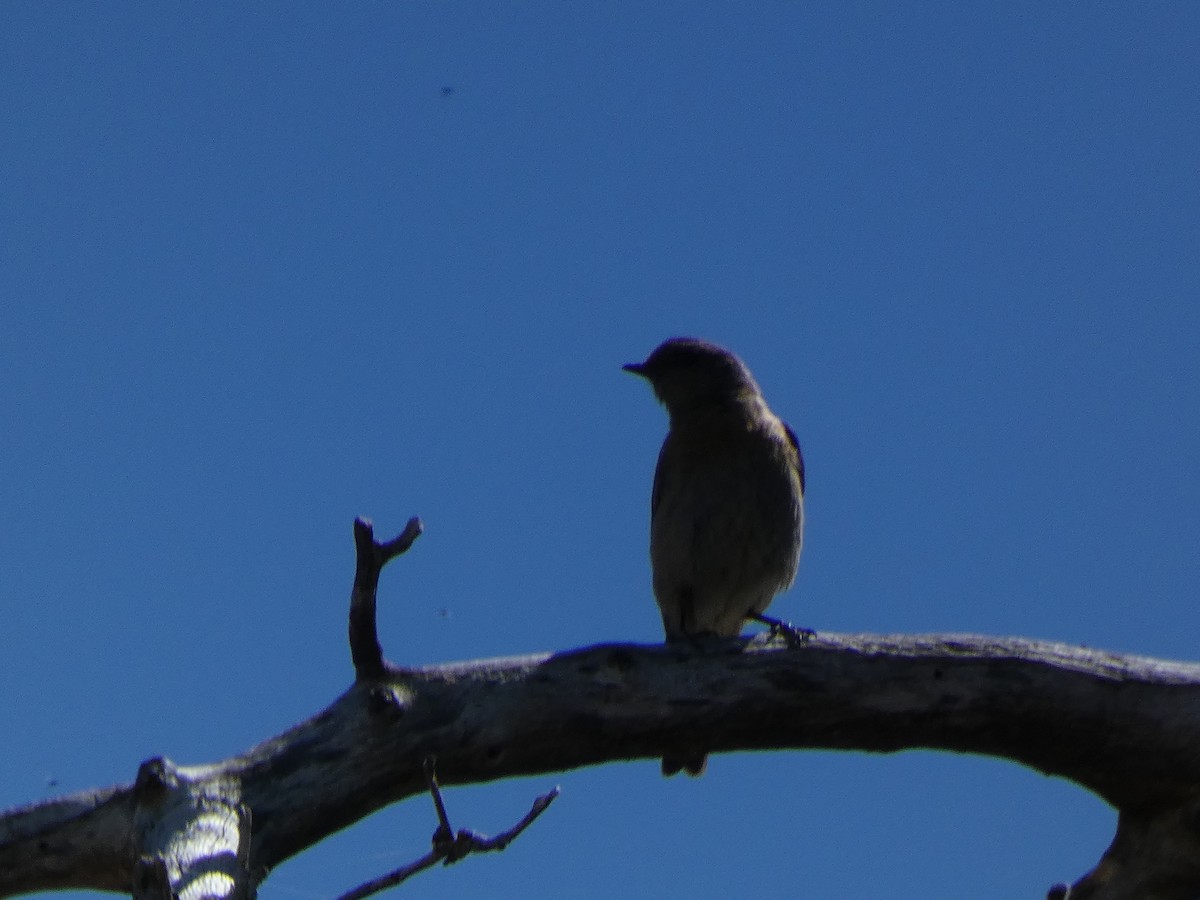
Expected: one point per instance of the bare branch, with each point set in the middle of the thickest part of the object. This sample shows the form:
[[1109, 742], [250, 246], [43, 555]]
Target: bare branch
[[447, 847], [503, 839], [399, 544], [1124, 727], [391, 879], [444, 831], [371, 557]]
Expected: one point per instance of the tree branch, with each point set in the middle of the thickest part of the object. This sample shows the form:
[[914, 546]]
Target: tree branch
[[448, 847], [1124, 727], [371, 556]]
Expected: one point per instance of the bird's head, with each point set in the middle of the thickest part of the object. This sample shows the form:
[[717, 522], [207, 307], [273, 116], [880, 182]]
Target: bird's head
[[687, 373]]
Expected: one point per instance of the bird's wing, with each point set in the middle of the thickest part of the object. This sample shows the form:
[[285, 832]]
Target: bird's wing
[[799, 456], [657, 488]]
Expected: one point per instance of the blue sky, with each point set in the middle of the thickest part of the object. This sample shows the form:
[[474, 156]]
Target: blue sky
[[262, 273]]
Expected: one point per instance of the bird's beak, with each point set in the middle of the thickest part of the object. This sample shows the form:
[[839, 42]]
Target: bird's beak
[[636, 368]]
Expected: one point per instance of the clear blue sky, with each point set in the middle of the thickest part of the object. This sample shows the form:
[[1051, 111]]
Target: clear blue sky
[[260, 273]]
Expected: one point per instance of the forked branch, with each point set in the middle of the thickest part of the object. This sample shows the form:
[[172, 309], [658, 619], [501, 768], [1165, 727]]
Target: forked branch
[[449, 847], [371, 556]]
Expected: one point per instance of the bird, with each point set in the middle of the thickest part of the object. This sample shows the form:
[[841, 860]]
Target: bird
[[727, 503]]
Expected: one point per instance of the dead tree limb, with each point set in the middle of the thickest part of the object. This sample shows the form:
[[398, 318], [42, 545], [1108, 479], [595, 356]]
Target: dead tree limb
[[1126, 728]]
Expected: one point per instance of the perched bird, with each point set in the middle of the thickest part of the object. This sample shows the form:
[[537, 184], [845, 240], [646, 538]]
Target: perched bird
[[727, 506]]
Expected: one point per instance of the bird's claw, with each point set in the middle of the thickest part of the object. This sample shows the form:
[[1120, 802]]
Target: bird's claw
[[795, 636]]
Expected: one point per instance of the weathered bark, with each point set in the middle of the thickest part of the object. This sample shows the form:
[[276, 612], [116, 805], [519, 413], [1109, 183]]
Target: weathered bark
[[1126, 728]]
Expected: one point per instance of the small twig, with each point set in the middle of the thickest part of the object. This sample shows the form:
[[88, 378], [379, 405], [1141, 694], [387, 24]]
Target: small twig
[[481, 843], [795, 637], [444, 832], [366, 889], [401, 542], [447, 847], [372, 556]]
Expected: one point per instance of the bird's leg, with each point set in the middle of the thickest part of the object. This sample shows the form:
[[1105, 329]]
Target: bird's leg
[[795, 637]]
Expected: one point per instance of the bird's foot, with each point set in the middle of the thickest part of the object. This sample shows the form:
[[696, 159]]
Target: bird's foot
[[795, 637]]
